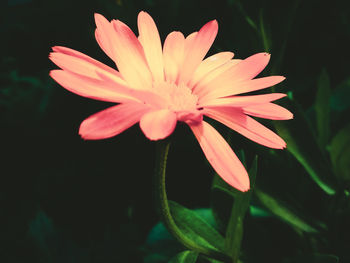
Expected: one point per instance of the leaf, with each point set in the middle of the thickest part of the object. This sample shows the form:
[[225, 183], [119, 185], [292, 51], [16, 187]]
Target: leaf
[[222, 194], [322, 108], [196, 229], [339, 150], [302, 145], [340, 97], [234, 232], [185, 257], [256, 211], [280, 210]]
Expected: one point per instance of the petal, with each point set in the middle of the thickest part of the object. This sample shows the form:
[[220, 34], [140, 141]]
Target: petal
[[210, 64], [105, 88], [79, 63], [239, 87], [144, 96], [104, 44], [203, 87], [127, 52], [189, 41], [159, 124], [257, 84], [173, 54], [91, 88], [221, 157], [149, 37], [197, 50], [130, 57], [244, 70], [242, 101], [105, 35], [268, 111], [112, 121], [251, 66], [245, 125]]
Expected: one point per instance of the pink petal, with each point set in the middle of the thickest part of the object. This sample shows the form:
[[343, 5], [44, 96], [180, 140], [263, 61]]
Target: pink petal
[[244, 70], [127, 52], [197, 50], [243, 101], [173, 54], [245, 125], [208, 65], [144, 96], [79, 63], [158, 124], [130, 57], [204, 85], [257, 84], [92, 88], [104, 43], [189, 41], [105, 36], [112, 121], [104, 88], [251, 66], [268, 111], [149, 37], [228, 89], [221, 157]]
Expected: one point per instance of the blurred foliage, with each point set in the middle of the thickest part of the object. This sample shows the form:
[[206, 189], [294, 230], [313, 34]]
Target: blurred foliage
[[63, 199]]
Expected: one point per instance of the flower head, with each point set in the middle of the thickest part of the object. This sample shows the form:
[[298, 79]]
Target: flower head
[[158, 87]]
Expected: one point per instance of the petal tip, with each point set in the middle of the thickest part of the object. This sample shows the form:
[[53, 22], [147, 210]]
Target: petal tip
[[143, 13], [99, 19], [53, 73], [245, 188], [56, 48]]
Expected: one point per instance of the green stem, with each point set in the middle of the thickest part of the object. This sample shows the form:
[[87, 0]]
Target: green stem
[[162, 204]]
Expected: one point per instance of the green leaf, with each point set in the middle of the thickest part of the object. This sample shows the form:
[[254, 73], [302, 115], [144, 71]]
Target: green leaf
[[340, 96], [256, 211], [322, 108], [339, 150], [234, 232], [281, 210], [302, 144], [196, 229], [186, 256]]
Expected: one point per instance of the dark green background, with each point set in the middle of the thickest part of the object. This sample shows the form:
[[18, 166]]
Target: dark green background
[[63, 199]]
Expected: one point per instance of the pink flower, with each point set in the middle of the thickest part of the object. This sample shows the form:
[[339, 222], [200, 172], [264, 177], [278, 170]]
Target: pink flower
[[158, 87]]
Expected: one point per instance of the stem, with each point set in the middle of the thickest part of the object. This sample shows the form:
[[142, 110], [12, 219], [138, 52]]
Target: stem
[[162, 204]]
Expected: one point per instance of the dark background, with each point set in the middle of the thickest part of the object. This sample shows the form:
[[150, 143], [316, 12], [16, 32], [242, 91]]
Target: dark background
[[63, 199]]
